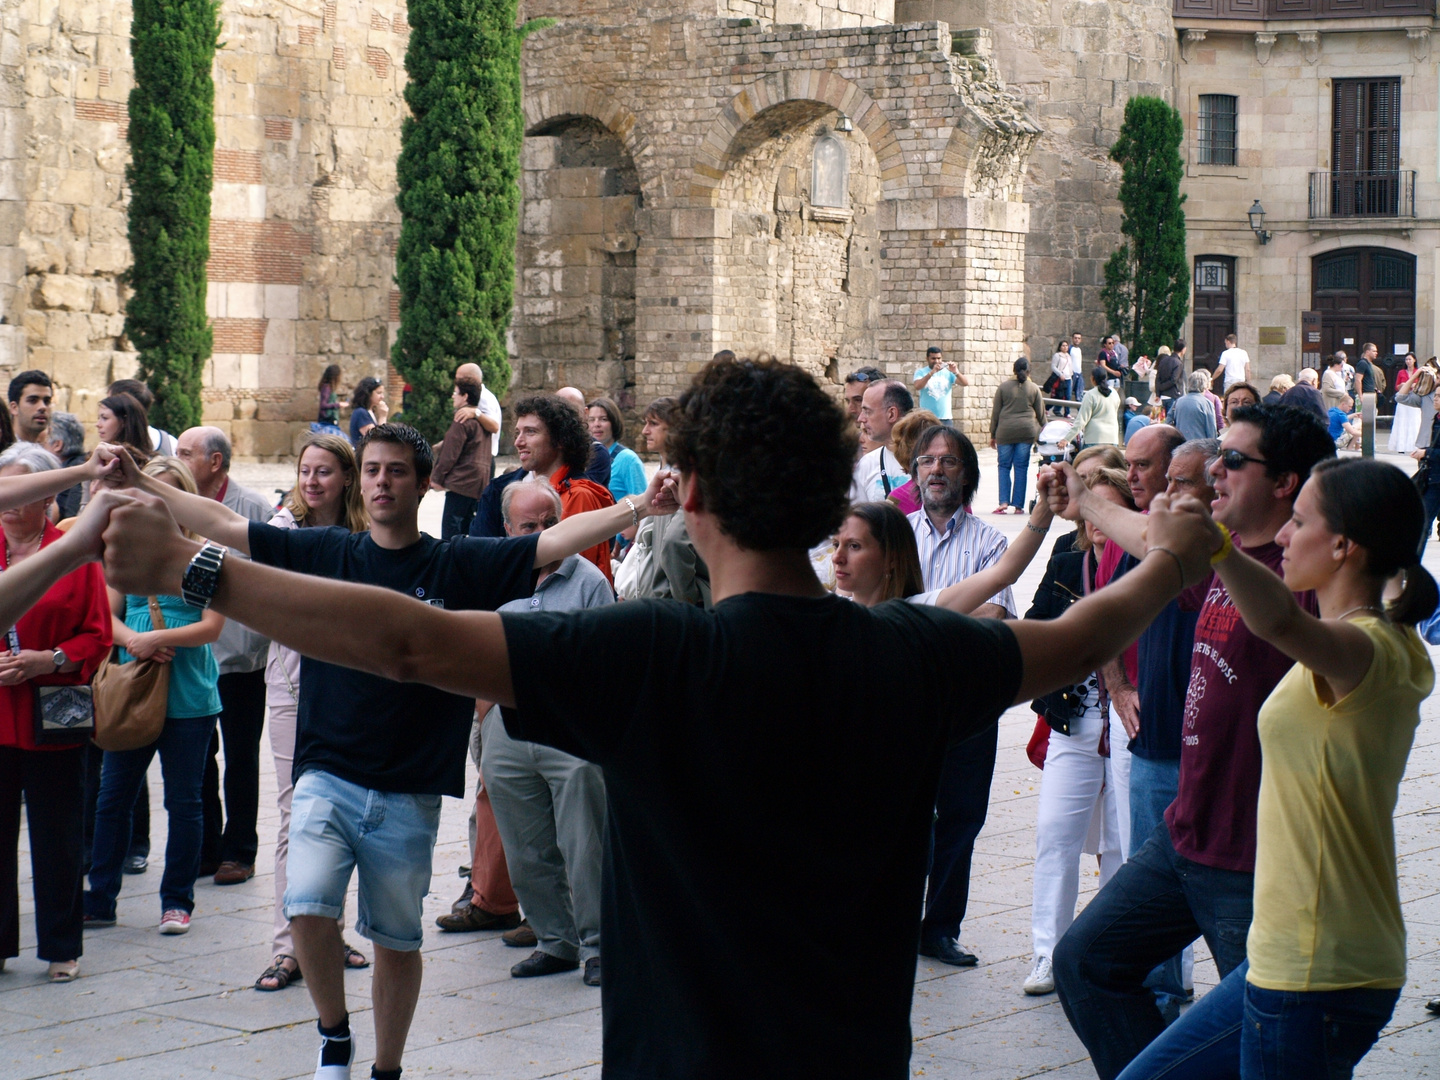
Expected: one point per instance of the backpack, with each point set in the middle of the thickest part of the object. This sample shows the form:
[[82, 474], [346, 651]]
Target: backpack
[[1379, 373]]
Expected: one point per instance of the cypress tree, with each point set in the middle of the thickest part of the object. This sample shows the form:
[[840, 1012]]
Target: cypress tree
[[1147, 279], [172, 146], [459, 198]]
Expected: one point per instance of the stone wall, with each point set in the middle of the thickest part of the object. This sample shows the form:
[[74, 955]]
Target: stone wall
[[1075, 64], [720, 118], [821, 14]]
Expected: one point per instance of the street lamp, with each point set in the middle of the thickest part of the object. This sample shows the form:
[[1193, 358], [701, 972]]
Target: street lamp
[[1257, 221], [844, 124]]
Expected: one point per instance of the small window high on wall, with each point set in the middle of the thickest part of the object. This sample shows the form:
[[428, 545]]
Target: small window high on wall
[[830, 181], [1216, 142]]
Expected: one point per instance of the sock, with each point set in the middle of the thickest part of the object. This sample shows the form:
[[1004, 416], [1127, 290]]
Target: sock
[[336, 1046], [384, 1074]]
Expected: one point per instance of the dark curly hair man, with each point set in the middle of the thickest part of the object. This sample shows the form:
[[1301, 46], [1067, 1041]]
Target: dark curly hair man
[[733, 740]]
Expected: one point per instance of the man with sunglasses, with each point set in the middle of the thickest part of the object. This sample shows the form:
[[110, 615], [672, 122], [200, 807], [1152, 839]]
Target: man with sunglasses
[[1195, 873], [856, 383]]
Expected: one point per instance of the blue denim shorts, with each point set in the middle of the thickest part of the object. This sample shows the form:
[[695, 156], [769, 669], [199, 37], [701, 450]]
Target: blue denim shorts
[[337, 827]]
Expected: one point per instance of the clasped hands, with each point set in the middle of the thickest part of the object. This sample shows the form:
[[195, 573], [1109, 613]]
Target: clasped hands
[[1180, 524]]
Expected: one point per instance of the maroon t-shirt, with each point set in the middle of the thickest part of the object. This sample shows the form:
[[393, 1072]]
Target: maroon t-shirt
[[1212, 820]]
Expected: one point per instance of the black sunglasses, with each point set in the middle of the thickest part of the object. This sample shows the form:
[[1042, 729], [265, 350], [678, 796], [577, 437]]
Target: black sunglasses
[[1234, 460]]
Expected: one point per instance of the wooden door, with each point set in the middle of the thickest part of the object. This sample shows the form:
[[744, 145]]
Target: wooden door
[[1213, 309]]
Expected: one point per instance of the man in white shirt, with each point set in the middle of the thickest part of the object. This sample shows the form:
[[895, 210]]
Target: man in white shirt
[[1077, 370], [1235, 362], [487, 412], [878, 473]]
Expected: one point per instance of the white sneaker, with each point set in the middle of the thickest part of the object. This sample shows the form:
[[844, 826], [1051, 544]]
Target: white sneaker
[[1041, 979], [334, 1072]]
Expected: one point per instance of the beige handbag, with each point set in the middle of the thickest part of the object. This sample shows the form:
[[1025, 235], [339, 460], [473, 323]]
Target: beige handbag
[[131, 698]]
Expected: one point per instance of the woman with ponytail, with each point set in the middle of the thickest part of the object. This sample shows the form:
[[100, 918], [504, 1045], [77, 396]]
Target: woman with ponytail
[[1099, 419], [1326, 950]]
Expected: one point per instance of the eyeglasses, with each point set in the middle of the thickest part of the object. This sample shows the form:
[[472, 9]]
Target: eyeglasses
[[1234, 460], [948, 461]]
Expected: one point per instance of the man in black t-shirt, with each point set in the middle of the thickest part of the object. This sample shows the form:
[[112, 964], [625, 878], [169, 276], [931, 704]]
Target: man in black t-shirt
[[741, 756], [374, 755]]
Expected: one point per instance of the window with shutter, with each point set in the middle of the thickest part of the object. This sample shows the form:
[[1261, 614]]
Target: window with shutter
[[1365, 148]]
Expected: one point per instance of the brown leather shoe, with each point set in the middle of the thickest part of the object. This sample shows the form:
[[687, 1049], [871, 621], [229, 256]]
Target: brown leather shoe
[[473, 919], [233, 873], [522, 937]]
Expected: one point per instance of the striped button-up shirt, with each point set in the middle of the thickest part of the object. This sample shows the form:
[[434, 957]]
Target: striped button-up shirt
[[965, 546]]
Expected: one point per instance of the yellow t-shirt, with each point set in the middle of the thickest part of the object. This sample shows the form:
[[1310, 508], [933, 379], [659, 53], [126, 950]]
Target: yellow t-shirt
[[1327, 907]]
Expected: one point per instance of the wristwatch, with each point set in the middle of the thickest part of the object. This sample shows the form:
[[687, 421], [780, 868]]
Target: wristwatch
[[202, 576], [59, 658]]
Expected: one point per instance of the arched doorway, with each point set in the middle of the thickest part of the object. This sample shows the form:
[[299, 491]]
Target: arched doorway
[[1366, 294]]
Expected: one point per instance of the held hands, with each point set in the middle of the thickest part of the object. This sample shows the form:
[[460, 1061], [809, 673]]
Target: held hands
[[100, 462], [120, 470], [145, 552], [29, 664], [1183, 526], [662, 497], [1062, 487]]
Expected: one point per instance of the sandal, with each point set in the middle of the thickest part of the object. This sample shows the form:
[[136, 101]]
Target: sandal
[[354, 958], [1003, 508], [278, 973], [64, 971]]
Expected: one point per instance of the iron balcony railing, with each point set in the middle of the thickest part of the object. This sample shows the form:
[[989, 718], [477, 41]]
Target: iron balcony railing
[[1389, 193]]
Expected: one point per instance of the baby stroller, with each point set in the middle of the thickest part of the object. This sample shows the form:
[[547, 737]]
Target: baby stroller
[[1050, 445]]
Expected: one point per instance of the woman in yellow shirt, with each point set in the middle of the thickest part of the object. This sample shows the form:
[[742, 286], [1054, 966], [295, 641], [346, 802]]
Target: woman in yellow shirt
[[1326, 950]]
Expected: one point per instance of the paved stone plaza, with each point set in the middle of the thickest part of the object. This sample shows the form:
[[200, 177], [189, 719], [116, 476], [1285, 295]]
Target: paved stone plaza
[[182, 1007]]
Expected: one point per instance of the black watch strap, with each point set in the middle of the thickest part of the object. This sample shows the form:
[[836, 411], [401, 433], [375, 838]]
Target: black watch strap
[[202, 576]]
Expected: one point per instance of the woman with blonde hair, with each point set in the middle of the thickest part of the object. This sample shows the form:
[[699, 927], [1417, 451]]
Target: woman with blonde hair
[[326, 495], [1278, 387], [902, 441], [1414, 413]]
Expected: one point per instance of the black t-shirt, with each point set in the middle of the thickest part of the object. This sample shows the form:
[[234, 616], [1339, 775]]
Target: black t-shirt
[[380, 734], [1367, 375], [766, 760]]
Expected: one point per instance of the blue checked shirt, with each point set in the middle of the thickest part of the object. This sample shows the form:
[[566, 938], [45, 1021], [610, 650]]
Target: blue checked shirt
[[965, 546]]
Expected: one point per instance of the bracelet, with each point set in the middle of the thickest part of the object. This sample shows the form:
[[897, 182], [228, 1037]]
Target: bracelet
[[1036, 528], [634, 513], [1226, 547], [1178, 564]]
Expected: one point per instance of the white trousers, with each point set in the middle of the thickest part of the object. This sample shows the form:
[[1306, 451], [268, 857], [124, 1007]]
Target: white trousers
[[1077, 800], [1120, 777]]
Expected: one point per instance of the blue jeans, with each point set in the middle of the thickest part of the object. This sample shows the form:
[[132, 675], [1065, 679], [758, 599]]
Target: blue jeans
[[1155, 905], [961, 802], [1432, 508], [1153, 786], [183, 745], [1014, 458], [1240, 1030], [1077, 387]]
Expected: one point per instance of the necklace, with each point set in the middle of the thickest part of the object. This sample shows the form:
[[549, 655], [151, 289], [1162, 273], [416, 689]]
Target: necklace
[[1362, 607], [9, 557]]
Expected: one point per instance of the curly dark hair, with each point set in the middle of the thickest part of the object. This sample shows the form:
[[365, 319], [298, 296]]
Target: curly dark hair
[[364, 390], [567, 431], [401, 435], [1292, 440], [771, 453]]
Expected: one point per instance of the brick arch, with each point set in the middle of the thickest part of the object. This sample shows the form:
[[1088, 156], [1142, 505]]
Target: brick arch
[[716, 153], [562, 101]]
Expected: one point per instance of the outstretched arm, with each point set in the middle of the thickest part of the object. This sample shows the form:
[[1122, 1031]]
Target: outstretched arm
[[1065, 650], [32, 487], [356, 626], [1072, 500], [1334, 649], [967, 595], [208, 517], [583, 531]]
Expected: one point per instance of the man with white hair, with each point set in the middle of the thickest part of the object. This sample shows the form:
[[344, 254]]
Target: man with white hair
[[1193, 413], [1306, 395], [549, 805], [228, 852]]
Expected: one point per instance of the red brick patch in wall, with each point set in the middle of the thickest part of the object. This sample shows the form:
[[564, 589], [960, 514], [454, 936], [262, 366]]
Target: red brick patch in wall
[[264, 252], [378, 59], [331, 8], [377, 22], [239, 335], [280, 130], [337, 56], [106, 112], [102, 76], [237, 166], [394, 315], [309, 35], [399, 24]]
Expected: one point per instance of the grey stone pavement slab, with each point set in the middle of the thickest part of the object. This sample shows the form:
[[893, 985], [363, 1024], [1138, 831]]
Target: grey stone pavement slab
[[182, 1007]]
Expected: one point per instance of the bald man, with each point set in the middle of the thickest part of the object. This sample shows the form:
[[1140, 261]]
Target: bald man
[[230, 839], [488, 411]]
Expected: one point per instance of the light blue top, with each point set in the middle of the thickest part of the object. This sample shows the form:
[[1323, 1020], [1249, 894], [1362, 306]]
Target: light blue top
[[935, 395], [627, 474], [1135, 423], [194, 674]]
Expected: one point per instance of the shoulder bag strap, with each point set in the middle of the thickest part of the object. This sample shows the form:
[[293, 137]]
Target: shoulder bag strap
[[157, 620], [883, 478]]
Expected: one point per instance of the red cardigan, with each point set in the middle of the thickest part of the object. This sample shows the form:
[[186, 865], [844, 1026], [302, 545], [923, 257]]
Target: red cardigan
[[74, 616]]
